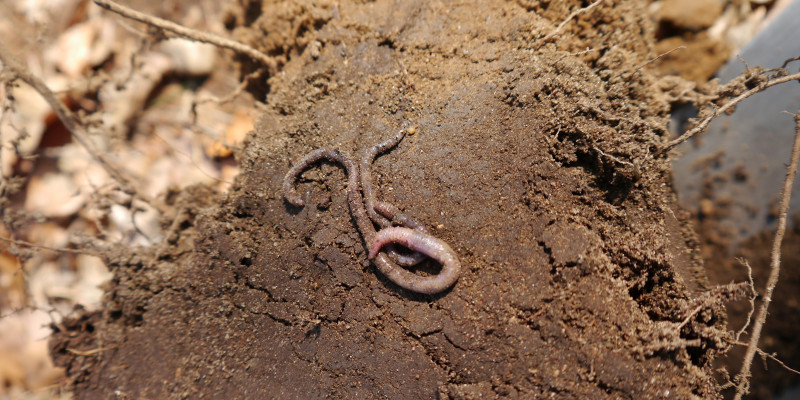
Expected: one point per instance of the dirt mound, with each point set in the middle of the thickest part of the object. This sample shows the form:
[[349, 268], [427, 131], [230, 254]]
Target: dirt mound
[[531, 159]]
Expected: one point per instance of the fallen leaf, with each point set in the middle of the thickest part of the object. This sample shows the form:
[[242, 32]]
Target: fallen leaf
[[53, 195]]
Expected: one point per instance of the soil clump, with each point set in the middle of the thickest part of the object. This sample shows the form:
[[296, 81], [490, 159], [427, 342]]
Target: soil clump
[[533, 160]]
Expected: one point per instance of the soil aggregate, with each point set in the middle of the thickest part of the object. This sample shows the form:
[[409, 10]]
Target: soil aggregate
[[533, 160]]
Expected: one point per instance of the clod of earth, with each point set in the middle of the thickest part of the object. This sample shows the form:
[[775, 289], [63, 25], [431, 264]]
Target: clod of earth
[[534, 160]]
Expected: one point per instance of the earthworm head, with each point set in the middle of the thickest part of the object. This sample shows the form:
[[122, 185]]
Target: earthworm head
[[294, 199]]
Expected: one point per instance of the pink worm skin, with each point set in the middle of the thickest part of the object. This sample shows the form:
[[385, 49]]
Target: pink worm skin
[[423, 243]]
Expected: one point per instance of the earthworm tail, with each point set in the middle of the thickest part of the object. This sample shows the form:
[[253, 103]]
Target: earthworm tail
[[366, 176]]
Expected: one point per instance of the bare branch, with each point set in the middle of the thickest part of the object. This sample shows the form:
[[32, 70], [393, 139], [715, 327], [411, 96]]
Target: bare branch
[[700, 127], [189, 33], [743, 378]]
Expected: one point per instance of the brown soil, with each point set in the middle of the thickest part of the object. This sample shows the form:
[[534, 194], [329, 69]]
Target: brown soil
[[532, 160]]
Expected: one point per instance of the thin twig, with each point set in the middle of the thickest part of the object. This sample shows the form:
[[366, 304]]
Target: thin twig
[[190, 158], [87, 353], [788, 61], [189, 33], [578, 53], [762, 353], [38, 246], [690, 316], [700, 127], [781, 363], [657, 57], [18, 70], [743, 378], [228, 98], [569, 18]]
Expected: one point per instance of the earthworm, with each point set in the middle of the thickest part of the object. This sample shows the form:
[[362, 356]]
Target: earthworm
[[426, 243], [382, 213]]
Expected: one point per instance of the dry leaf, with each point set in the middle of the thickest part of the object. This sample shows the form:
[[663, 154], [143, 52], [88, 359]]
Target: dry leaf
[[53, 195], [234, 135], [190, 57], [82, 46]]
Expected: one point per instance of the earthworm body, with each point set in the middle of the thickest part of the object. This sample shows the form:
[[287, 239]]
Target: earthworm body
[[368, 210]]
